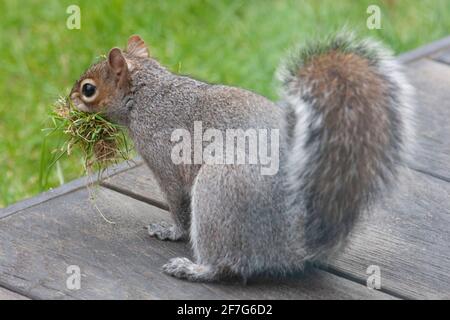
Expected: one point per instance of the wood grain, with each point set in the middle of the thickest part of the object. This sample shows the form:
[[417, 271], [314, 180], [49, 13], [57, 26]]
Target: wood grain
[[6, 294], [432, 83], [120, 261], [443, 56], [407, 235]]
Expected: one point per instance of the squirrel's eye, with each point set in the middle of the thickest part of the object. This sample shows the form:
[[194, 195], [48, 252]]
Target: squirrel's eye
[[88, 90]]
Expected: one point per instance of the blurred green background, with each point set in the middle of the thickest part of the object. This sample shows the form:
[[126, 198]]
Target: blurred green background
[[233, 42]]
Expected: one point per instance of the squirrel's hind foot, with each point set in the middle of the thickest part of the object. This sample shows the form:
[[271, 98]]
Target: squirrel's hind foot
[[165, 231]]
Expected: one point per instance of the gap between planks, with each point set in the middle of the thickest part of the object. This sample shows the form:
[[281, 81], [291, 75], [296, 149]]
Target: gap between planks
[[8, 293]]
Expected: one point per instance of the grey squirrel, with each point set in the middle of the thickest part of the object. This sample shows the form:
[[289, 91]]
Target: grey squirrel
[[343, 122]]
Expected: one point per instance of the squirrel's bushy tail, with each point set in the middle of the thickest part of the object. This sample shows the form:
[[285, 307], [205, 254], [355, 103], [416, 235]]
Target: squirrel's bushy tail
[[349, 123]]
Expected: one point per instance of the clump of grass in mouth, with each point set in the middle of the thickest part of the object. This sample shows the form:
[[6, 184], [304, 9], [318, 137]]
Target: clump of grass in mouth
[[101, 142]]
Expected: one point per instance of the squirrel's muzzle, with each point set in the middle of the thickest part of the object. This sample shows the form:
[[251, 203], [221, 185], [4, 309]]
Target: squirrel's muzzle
[[78, 103]]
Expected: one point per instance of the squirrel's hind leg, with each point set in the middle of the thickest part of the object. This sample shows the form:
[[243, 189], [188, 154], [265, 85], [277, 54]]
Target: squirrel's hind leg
[[232, 226]]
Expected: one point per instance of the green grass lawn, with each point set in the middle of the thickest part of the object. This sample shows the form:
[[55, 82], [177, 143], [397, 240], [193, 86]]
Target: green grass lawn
[[233, 42]]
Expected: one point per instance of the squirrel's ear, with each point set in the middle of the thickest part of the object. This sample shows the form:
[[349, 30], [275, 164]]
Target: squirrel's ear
[[117, 63], [136, 47]]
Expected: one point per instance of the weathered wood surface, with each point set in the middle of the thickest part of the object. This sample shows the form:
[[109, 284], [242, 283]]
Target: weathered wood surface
[[443, 56], [408, 237], [432, 83], [120, 261], [6, 294], [139, 184], [69, 187]]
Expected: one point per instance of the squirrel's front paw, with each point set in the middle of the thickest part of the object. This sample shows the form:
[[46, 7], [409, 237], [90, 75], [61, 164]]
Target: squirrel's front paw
[[164, 231]]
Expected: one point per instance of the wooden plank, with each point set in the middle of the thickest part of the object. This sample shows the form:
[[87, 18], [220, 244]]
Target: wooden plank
[[138, 184], [6, 294], [432, 83], [425, 50], [68, 187], [443, 56], [407, 236], [120, 261]]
